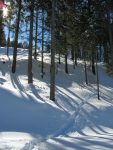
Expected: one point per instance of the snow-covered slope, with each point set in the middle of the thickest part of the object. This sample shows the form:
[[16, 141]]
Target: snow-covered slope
[[76, 121]]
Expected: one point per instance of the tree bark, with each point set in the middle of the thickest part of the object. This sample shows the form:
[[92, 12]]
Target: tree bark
[[52, 73], [93, 62], [106, 53], [72, 53], [36, 34], [30, 74], [8, 42], [42, 61], [110, 37], [66, 64], [97, 75], [75, 57], [1, 26], [16, 39], [85, 68], [59, 61]]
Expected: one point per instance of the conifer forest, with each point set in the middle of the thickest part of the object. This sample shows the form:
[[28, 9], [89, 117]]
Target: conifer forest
[[56, 74]]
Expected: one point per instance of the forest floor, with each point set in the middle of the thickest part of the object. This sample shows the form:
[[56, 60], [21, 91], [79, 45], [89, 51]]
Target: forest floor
[[77, 120]]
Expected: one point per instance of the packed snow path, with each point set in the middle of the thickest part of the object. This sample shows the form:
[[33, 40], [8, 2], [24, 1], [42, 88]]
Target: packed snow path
[[77, 121]]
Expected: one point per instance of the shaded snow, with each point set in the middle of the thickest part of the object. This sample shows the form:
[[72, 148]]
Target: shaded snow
[[76, 121]]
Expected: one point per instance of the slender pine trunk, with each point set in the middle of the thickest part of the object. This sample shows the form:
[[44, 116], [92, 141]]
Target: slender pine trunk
[[66, 63], [106, 53], [85, 68], [42, 61], [65, 40], [36, 34], [100, 53], [16, 38], [59, 61], [72, 53], [75, 57], [93, 62], [8, 42], [1, 26], [97, 76], [30, 75], [110, 37], [52, 73]]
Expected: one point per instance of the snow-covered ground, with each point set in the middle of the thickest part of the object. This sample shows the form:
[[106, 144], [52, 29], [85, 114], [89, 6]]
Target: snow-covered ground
[[76, 121]]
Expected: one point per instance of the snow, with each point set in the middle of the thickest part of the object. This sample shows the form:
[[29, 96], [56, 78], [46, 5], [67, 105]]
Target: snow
[[76, 121], [92, 129]]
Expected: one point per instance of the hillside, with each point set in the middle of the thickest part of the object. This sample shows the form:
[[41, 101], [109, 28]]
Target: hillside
[[76, 121]]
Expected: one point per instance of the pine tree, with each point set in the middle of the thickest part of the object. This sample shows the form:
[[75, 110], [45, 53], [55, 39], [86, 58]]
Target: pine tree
[[36, 32], [16, 37], [52, 73], [2, 34], [42, 52], [30, 74]]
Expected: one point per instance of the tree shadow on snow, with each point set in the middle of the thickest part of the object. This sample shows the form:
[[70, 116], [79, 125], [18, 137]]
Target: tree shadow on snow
[[97, 120], [18, 113], [80, 143]]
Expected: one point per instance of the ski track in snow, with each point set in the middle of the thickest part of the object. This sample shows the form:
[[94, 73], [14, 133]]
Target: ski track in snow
[[31, 145], [66, 95]]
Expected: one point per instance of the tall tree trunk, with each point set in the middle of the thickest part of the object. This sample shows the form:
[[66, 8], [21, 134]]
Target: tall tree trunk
[[36, 34], [85, 68], [59, 61], [97, 75], [66, 64], [72, 53], [99, 57], [93, 61], [42, 61], [30, 75], [106, 53], [2, 35], [16, 38], [1, 26], [8, 42], [75, 56], [65, 41], [66, 54], [52, 73], [110, 36]]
